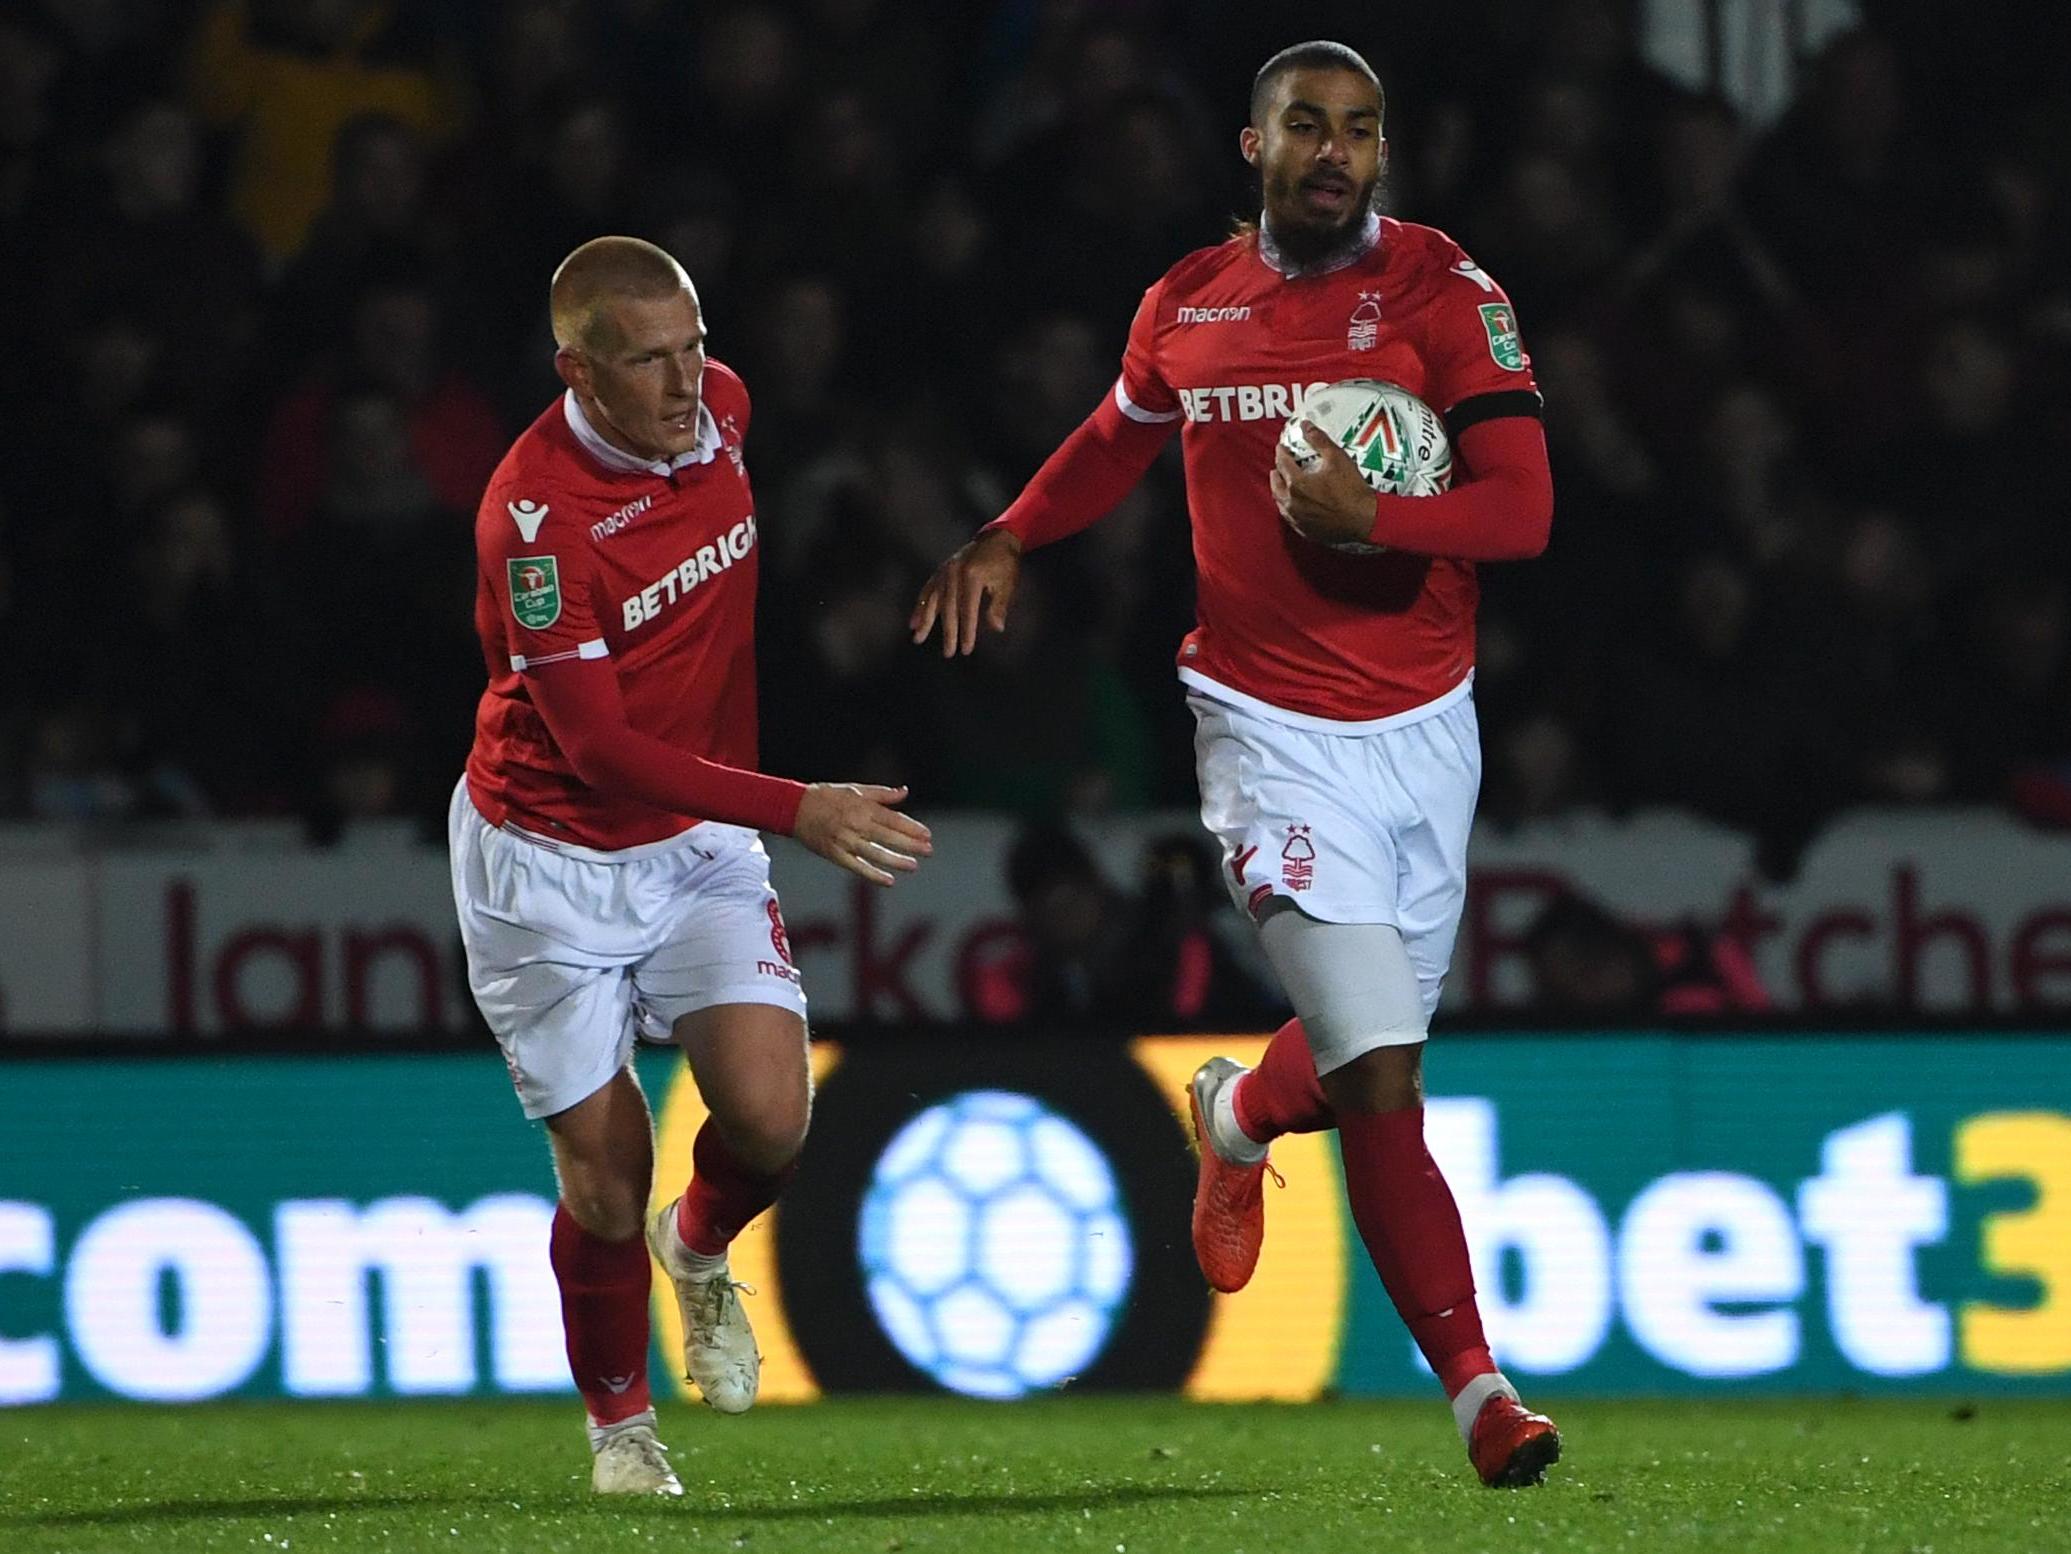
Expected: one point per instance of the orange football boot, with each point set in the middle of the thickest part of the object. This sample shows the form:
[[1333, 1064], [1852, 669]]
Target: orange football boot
[[1229, 1199], [1511, 1446]]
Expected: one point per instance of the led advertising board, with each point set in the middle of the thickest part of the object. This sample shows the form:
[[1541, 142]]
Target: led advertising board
[[1002, 1216]]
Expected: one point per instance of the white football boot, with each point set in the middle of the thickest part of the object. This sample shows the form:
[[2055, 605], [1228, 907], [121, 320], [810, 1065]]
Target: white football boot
[[630, 1461], [719, 1354]]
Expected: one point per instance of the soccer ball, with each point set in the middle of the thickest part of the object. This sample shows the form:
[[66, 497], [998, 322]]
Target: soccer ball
[[993, 1245], [1396, 440]]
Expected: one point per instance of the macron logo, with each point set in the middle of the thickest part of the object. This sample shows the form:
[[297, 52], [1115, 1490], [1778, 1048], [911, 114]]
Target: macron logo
[[1212, 315], [620, 519], [528, 516]]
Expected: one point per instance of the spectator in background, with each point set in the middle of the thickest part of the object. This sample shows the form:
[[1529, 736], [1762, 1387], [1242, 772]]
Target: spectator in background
[[1073, 745], [1961, 451], [377, 223], [692, 212], [835, 627], [1884, 667], [112, 368], [878, 49], [110, 51], [210, 713], [1718, 715], [946, 288], [532, 58], [560, 190], [1537, 771], [747, 80], [393, 345], [155, 458], [838, 197], [379, 541], [1589, 964], [1754, 489], [795, 348], [2014, 740], [29, 67], [1839, 185], [285, 75], [1137, 178], [1586, 964], [1558, 231], [72, 769], [1075, 967], [1045, 374], [364, 761], [1193, 963], [149, 247]]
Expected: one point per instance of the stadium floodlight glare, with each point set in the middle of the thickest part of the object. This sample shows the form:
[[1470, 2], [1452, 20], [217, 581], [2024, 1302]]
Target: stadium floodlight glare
[[994, 1246]]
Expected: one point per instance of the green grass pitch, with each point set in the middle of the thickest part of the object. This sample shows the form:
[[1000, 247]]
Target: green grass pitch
[[1090, 1475]]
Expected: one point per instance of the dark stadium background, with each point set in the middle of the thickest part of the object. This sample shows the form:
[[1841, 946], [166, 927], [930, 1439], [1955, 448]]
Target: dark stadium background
[[1796, 279], [274, 308]]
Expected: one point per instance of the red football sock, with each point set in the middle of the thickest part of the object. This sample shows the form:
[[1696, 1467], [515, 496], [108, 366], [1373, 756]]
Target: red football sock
[[604, 1314], [723, 1194], [1411, 1227], [1283, 1094]]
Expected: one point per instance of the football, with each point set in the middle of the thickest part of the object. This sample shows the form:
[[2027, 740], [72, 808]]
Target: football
[[1396, 440]]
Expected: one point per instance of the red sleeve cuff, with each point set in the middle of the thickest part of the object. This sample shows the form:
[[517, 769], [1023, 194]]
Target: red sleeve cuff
[[782, 817]]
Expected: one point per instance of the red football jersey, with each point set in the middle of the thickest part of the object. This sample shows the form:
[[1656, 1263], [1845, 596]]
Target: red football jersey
[[586, 551], [1227, 344]]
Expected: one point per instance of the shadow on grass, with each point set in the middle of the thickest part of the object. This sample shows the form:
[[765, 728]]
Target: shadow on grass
[[991, 1503]]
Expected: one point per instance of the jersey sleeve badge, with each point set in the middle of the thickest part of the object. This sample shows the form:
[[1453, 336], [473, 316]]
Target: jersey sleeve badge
[[535, 591], [1500, 323]]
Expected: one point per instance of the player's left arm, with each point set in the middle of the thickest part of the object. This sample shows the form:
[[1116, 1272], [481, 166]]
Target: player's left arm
[[1501, 511], [1500, 506]]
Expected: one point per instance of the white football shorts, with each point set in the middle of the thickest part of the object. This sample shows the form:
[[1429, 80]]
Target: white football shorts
[[573, 957], [1368, 826]]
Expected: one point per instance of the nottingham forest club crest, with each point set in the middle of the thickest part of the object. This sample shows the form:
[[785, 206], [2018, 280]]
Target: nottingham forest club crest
[[1363, 333], [535, 591], [1298, 858], [1504, 345]]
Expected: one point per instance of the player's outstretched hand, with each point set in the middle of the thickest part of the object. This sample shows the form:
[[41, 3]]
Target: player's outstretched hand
[[979, 576], [853, 824], [1330, 504]]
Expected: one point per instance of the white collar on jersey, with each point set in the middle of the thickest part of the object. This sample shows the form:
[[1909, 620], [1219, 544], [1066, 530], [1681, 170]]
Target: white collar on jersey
[[1269, 251], [706, 450]]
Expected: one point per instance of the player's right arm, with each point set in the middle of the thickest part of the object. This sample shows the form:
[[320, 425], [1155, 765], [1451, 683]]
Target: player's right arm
[[1079, 484], [549, 626], [851, 824]]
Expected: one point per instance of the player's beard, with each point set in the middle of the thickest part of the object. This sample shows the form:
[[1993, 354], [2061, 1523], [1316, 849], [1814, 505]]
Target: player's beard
[[1308, 244]]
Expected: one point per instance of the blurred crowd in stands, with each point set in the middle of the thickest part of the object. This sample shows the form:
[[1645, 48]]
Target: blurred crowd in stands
[[276, 274]]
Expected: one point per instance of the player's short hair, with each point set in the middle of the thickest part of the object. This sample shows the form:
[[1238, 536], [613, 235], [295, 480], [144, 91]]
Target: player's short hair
[[602, 269], [1316, 54]]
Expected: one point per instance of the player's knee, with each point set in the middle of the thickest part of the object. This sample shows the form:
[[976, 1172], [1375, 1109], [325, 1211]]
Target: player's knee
[[609, 1210], [767, 1136], [1382, 1079]]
